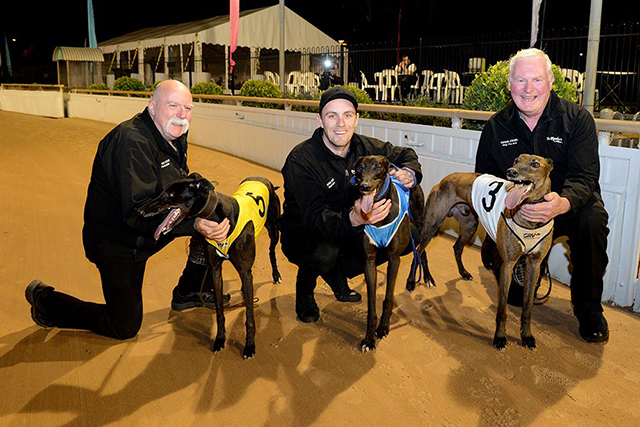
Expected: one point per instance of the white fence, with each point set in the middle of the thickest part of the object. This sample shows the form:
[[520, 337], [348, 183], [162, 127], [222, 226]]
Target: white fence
[[266, 137]]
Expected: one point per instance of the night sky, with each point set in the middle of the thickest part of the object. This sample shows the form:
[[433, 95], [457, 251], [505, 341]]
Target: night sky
[[38, 29]]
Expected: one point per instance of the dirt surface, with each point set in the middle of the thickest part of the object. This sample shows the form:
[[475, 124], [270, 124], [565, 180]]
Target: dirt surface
[[436, 368]]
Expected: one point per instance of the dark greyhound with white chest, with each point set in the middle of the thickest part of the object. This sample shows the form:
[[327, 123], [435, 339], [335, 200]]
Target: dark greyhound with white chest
[[497, 201], [374, 182], [194, 196]]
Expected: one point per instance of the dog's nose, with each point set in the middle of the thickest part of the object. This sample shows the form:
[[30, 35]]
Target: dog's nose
[[512, 173], [365, 187]]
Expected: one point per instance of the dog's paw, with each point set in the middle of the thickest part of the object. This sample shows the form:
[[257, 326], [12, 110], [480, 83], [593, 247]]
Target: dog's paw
[[466, 275], [382, 331], [276, 278], [430, 283], [411, 286], [500, 342], [529, 342], [248, 352], [218, 345], [368, 344]]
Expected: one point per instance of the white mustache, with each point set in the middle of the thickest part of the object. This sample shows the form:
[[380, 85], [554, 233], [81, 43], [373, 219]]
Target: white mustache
[[175, 121]]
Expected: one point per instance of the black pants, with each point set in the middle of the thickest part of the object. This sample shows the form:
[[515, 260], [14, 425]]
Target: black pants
[[587, 232], [318, 255], [121, 315]]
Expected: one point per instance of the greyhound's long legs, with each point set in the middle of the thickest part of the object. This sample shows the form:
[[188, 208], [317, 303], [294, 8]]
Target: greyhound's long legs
[[215, 273], [468, 227], [370, 276], [531, 279], [274, 235], [392, 273], [500, 337], [243, 263]]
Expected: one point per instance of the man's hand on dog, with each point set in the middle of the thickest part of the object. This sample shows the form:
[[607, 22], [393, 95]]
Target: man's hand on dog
[[211, 229], [379, 211], [404, 177], [543, 212]]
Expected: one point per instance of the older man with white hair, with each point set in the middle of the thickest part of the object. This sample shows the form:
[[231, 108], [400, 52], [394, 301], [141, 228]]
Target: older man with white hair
[[133, 163], [539, 122]]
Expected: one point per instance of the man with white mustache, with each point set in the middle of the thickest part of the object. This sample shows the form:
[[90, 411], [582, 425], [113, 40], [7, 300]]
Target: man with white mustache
[[539, 122], [133, 163], [322, 220]]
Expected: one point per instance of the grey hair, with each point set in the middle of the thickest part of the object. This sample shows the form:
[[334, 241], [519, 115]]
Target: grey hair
[[531, 52]]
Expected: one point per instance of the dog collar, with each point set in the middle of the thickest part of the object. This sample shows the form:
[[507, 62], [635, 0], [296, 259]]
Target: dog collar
[[209, 207], [384, 189]]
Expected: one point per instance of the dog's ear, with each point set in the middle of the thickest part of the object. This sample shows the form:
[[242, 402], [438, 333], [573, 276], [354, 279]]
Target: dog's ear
[[194, 176], [550, 162], [202, 184]]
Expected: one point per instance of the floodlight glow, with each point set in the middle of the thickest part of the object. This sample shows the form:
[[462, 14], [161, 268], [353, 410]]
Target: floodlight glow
[[327, 63]]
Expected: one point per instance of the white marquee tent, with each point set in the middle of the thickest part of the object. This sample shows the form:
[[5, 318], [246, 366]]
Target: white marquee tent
[[258, 28]]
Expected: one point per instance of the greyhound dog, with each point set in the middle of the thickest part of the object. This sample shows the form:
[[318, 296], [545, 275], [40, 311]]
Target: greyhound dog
[[466, 196], [194, 196], [375, 183]]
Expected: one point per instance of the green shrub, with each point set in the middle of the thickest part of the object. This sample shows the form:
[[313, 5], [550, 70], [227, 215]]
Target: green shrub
[[125, 83], [260, 89], [207, 88], [489, 91], [98, 86]]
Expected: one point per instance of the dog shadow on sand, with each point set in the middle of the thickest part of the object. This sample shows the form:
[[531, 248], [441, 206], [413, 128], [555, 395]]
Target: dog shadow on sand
[[483, 377], [297, 359]]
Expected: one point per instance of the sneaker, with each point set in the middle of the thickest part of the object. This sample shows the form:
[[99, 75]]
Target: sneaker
[[181, 302], [593, 326], [306, 308], [34, 293]]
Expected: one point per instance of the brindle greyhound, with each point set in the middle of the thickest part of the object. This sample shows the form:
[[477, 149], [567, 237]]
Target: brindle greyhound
[[373, 180], [528, 182], [194, 196]]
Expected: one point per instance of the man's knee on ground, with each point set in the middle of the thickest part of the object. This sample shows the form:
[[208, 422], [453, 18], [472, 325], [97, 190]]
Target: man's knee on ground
[[125, 330]]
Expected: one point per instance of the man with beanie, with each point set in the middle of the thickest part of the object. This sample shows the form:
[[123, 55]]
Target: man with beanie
[[322, 223]]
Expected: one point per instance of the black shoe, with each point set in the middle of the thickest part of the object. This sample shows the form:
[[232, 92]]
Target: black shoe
[[593, 326], [340, 287], [306, 308], [34, 293], [196, 299]]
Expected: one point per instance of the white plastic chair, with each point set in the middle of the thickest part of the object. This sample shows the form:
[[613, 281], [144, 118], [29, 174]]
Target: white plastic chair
[[364, 85], [387, 81], [272, 77], [426, 76], [453, 90], [294, 80], [436, 86]]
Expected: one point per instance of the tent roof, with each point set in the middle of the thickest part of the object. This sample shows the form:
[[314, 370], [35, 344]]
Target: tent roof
[[257, 28], [172, 30], [66, 53]]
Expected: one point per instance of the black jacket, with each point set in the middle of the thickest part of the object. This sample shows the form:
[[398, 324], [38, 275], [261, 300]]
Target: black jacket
[[133, 164], [565, 133], [317, 193]]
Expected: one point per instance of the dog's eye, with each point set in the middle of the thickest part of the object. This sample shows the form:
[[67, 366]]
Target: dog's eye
[[516, 161], [535, 164], [360, 167]]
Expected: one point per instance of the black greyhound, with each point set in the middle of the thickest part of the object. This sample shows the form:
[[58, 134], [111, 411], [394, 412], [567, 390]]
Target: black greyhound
[[373, 181], [194, 196]]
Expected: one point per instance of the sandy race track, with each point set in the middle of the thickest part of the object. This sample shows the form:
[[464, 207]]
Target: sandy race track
[[436, 368]]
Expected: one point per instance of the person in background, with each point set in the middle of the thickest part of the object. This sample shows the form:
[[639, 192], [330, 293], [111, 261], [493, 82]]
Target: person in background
[[407, 77]]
